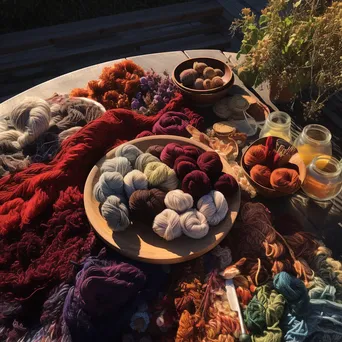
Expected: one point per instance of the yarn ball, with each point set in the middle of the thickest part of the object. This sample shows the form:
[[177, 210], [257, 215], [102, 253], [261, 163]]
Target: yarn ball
[[155, 150], [143, 160], [173, 123], [194, 224], [285, 180], [131, 152], [184, 165], [167, 225], [134, 180], [161, 176], [213, 206], [178, 201], [109, 183], [173, 150], [115, 212], [144, 134], [145, 205], [227, 184], [32, 118], [261, 174], [210, 163], [197, 184], [294, 291], [255, 155], [117, 164]]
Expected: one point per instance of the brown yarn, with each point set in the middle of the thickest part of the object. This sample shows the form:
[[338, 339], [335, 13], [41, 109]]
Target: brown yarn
[[261, 174], [255, 155], [285, 180]]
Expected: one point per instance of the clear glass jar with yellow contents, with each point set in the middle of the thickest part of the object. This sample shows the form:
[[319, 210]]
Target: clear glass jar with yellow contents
[[278, 124], [315, 140], [323, 179]]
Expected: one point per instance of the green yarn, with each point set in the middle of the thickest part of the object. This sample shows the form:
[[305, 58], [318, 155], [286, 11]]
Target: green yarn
[[263, 314]]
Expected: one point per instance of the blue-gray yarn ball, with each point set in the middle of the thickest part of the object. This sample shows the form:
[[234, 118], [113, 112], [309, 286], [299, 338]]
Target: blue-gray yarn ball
[[117, 164], [116, 213], [128, 151], [110, 183]]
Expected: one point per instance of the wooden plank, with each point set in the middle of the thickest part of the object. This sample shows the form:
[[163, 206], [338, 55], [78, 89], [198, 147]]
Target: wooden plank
[[62, 84], [50, 54], [102, 26]]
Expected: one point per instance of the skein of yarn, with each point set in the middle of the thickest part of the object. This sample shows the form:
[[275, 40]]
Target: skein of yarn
[[194, 224], [134, 180], [227, 184], [197, 184], [213, 206], [178, 201], [155, 150], [115, 213], [143, 160], [32, 118], [161, 176], [110, 183], [117, 164], [184, 165], [170, 152], [210, 163], [167, 225], [145, 205], [131, 152]]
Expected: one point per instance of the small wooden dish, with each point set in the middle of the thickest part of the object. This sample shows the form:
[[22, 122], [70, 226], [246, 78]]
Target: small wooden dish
[[269, 192], [212, 62], [139, 241]]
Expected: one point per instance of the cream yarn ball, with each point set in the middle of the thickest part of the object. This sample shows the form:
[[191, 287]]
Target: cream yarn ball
[[134, 180], [213, 206], [159, 175], [194, 224], [131, 152], [116, 213], [117, 164], [144, 159], [32, 118], [167, 225], [110, 183], [178, 201]]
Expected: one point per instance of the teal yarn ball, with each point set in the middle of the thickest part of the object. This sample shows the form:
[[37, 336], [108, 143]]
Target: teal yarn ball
[[118, 164], [294, 291], [128, 151], [116, 213], [110, 183]]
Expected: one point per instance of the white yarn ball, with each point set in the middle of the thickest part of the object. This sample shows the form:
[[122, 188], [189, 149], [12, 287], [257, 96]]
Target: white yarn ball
[[143, 159], [194, 224], [167, 225], [117, 164], [178, 201], [116, 213], [213, 206], [131, 152], [32, 117], [110, 183], [134, 180]]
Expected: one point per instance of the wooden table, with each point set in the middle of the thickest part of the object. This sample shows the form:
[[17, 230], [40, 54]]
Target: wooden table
[[323, 219]]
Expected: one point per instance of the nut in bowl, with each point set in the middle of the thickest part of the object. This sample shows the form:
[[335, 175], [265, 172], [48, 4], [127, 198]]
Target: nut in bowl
[[203, 80], [273, 167]]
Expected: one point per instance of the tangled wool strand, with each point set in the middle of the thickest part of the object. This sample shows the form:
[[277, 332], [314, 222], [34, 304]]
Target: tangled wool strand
[[116, 213], [178, 201], [134, 180], [194, 224], [213, 206], [167, 225]]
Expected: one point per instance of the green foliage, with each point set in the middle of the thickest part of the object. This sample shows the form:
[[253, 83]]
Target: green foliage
[[296, 45]]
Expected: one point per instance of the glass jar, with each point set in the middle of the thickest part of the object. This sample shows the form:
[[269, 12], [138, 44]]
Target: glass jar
[[323, 179], [315, 140], [278, 124]]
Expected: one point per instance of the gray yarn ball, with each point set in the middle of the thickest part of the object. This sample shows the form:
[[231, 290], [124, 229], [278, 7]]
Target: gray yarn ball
[[134, 180], [143, 159], [110, 183], [116, 213], [117, 164], [131, 152]]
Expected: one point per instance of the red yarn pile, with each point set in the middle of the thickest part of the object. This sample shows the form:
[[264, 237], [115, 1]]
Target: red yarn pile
[[43, 226]]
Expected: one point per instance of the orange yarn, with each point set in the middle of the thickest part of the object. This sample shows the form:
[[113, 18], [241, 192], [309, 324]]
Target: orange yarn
[[261, 174], [255, 155], [285, 180]]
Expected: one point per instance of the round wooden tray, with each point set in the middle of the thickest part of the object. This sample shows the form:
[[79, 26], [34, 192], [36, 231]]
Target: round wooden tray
[[139, 241]]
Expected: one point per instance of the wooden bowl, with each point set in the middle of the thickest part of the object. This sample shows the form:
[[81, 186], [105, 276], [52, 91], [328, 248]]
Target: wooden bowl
[[269, 192], [139, 240], [212, 62]]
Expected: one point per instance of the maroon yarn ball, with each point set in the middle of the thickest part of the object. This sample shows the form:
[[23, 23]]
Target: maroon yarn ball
[[170, 153], [197, 184], [192, 151], [145, 205], [144, 134], [227, 185], [184, 165], [155, 150], [210, 163]]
